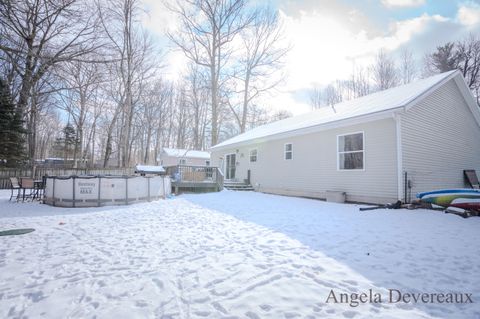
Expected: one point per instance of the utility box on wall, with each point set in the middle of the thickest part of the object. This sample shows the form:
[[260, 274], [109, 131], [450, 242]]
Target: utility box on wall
[[336, 196]]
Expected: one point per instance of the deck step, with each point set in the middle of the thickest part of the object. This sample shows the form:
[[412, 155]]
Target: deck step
[[238, 186]]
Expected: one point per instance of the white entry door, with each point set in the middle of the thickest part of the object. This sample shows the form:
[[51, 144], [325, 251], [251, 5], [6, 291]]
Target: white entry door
[[230, 161]]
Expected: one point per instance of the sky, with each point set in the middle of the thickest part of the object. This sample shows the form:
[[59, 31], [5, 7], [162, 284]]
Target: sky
[[330, 37]]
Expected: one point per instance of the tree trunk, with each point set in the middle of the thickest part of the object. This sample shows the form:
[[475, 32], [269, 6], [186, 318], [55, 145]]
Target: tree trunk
[[32, 130], [214, 84], [146, 158], [245, 102], [108, 143]]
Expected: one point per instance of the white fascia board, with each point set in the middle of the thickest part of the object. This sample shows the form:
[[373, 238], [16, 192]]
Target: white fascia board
[[316, 128]]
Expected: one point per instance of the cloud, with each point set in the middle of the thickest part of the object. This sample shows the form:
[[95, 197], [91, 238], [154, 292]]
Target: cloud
[[344, 14], [406, 31], [327, 43], [325, 49], [158, 18], [469, 14], [402, 3]]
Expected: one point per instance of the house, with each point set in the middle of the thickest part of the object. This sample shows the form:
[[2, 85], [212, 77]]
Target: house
[[175, 156], [378, 148]]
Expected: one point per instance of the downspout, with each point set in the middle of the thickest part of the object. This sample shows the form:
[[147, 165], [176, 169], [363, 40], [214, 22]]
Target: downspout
[[398, 127]]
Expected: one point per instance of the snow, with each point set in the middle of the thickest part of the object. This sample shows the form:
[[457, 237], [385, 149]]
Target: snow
[[231, 255], [149, 168], [177, 152], [373, 103]]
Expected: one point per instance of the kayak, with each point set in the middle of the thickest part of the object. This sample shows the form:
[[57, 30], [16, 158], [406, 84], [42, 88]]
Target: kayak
[[466, 203], [445, 197]]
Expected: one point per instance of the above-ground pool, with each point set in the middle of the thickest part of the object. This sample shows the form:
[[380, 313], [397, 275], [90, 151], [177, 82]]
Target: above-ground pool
[[86, 191]]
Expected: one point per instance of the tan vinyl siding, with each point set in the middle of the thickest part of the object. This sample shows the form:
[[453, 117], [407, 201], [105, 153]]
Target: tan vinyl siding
[[174, 160], [313, 169], [440, 138]]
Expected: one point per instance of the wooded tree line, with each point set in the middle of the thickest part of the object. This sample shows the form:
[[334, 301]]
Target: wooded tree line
[[386, 72], [84, 78]]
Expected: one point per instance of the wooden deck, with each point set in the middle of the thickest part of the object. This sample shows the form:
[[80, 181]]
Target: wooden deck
[[195, 179]]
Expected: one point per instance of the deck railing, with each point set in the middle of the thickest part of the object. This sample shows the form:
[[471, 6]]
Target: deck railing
[[195, 175]]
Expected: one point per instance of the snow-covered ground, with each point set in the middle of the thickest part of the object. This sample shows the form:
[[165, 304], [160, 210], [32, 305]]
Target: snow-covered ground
[[232, 255]]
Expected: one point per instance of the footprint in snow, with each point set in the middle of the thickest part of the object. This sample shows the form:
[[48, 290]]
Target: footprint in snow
[[252, 315], [202, 313], [350, 314], [265, 307], [219, 307], [141, 303], [351, 282]]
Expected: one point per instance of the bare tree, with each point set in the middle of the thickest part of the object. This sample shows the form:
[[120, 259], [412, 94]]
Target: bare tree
[[408, 69], [279, 115], [49, 125], [469, 62], [355, 86], [182, 117], [261, 59], [207, 29], [198, 95], [115, 95], [328, 95], [316, 97], [361, 82], [132, 48], [150, 109], [82, 81], [463, 55], [162, 95], [36, 35], [90, 150], [384, 73], [332, 94]]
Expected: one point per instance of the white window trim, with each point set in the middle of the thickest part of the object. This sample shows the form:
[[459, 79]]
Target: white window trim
[[363, 151], [206, 162], [250, 155], [285, 152], [180, 161]]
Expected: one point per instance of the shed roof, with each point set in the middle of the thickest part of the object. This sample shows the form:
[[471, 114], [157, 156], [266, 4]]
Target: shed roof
[[149, 169], [178, 152], [374, 103]]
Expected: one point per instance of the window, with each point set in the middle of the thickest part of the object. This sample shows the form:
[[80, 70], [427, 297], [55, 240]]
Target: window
[[253, 156], [351, 151], [183, 161], [288, 151], [207, 163]]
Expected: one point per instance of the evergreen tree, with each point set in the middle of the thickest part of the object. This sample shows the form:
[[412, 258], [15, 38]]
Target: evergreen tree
[[64, 146], [445, 58], [12, 133]]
